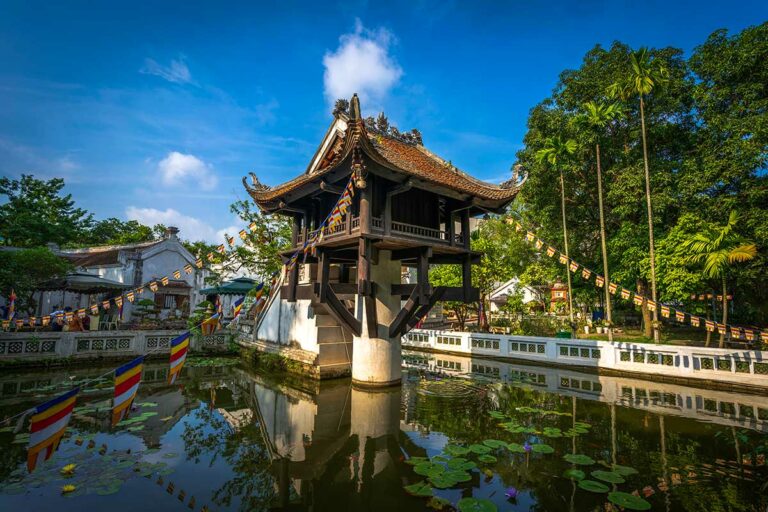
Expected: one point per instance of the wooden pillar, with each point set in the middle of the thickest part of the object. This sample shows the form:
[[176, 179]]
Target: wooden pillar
[[422, 275], [323, 267], [305, 226], [363, 266], [365, 211], [451, 229], [293, 282], [388, 215], [295, 227], [465, 227]]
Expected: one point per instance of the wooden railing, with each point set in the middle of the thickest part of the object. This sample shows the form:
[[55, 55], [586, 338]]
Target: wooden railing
[[377, 224]]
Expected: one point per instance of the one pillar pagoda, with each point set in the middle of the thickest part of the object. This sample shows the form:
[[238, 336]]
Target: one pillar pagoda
[[344, 309]]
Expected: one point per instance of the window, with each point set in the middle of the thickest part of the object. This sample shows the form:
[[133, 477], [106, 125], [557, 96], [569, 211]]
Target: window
[[531, 348], [449, 340], [581, 352], [485, 343], [419, 337], [449, 365]]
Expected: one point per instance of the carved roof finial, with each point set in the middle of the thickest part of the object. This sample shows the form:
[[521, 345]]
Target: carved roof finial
[[257, 185], [354, 109], [341, 107]]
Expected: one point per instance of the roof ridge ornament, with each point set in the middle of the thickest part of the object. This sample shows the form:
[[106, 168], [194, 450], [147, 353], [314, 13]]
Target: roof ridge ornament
[[519, 177], [257, 185]]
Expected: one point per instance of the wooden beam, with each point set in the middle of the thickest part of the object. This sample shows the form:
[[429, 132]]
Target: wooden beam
[[450, 293], [340, 313], [323, 268], [405, 187], [293, 282], [408, 254], [372, 323], [465, 228], [365, 210], [405, 314], [437, 295], [363, 266], [422, 275], [327, 187]]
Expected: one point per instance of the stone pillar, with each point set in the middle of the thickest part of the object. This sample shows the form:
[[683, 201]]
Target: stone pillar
[[378, 361]]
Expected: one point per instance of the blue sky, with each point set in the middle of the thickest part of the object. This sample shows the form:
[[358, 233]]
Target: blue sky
[[155, 112]]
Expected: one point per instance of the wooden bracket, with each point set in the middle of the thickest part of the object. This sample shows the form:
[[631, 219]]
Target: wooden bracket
[[340, 313], [405, 314]]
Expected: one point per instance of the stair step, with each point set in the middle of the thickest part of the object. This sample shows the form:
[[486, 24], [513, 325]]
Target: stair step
[[325, 320]]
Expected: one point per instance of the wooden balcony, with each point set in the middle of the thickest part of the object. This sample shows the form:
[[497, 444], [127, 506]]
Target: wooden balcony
[[398, 229]]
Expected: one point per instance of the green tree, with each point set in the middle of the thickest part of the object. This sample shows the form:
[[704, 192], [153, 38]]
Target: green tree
[[556, 152], [37, 213], [717, 249], [595, 118], [646, 73], [22, 270], [113, 231]]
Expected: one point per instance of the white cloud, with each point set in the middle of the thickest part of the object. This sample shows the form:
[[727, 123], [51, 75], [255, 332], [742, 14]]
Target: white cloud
[[178, 168], [361, 64], [177, 72], [190, 228]]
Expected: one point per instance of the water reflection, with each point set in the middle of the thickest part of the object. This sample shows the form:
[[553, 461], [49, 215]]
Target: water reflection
[[232, 439]]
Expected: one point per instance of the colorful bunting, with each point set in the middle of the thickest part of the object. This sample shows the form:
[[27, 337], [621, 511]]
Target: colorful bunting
[[680, 316], [164, 280], [177, 274], [199, 263], [127, 380], [539, 244], [551, 251], [237, 306], [119, 301], [179, 348], [187, 268], [665, 311], [221, 249], [585, 273], [574, 266], [600, 281], [153, 286], [94, 309], [651, 305], [48, 425], [530, 236], [695, 321], [243, 234], [45, 320], [563, 258], [612, 287], [105, 304], [81, 313], [637, 299], [709, 325], [130, 296], [626, 294]]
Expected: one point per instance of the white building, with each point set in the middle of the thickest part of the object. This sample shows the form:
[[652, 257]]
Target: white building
[[502, 292], [135, 265]]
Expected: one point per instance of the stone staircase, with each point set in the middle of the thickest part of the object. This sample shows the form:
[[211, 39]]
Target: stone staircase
[[334, 344]]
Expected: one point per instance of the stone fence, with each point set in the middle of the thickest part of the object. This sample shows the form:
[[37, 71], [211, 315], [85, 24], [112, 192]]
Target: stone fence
[[32, 346], [746, 367]]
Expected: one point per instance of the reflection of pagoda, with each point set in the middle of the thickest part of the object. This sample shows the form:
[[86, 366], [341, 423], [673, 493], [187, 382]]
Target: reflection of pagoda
[[344, 307]]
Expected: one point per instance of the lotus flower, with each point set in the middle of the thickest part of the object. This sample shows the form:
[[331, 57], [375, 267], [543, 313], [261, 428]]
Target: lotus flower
[[527, 447], [68, 469], [511, 493], [68, 488]]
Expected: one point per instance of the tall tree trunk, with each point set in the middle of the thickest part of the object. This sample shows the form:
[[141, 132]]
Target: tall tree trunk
[[642, 289], [567, 254], [608, 314], [725, 313], [650, 221]]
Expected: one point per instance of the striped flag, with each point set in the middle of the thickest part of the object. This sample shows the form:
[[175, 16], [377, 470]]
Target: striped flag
[[252, 226], [539, 244], [119, 301], [6, 324], [131, 296], [81, 313], [127, 379], [32, 320], [153, 286], [679, 316], [45, 320], [105, 304], [695, 320], [530, 236], [177, 274], [563, 258], [179, 348], [625, 294], [551, 251], [11, 305], [574, 266], [665, 311], [164, 280], [612, 287], [139, 290], [48, 425], [199, 263], [230, 240], [518, 226], [95, 309], [210, 256], [259, 290], [19, 323], [221, 249], [243, 234], [637, 299], [721, 328], [237, 307], [652, 306], [68, 316], [764, 336], [738, 332], [586, 273], [710, 325], [187, 268], [599, 281]]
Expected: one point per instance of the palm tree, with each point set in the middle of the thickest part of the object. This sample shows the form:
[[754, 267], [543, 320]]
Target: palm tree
[[644, 75], [595, 118], [718, 248], [555, 152]]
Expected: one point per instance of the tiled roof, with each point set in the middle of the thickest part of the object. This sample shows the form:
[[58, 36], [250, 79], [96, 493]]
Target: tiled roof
[[411, 159], [102, 255]]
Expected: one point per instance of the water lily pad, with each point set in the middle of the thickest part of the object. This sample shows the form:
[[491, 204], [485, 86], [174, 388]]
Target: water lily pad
[[624, 470], [494, 443], [428, 469], [441, 458], [608, 476], [475, 505], [458, 475], [592, 486], [542, 448], [497, 415], [628, 501], [106, 491], [437, 503], [170, 455], [419, 489], [456, 450], [416, 460], [479, 449], [579, 459], [575, 474], [461, 464], [488, 459], [442, 481]]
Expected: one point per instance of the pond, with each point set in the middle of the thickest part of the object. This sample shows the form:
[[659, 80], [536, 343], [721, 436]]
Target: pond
[[500, 437]]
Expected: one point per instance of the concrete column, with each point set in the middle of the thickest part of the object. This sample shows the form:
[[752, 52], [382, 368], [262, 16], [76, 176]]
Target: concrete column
[[378, 361]]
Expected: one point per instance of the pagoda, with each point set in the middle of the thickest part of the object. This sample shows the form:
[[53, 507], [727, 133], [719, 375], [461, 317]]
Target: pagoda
[[345, 308]]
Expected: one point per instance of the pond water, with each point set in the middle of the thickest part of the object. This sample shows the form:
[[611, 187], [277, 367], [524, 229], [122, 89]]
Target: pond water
[[228, 438]]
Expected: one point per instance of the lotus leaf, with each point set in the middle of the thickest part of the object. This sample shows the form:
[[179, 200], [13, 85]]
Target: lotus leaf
[[488, 459], [494, 443], [608, 476], [579, 459], [542, 448], [624, 470], [479, 449], [475, 505], [592, 486], [428, 469], [419, 489], [436, 503], [575, 474], [515, 448], [628, 501], [416, 460], [458, 475]]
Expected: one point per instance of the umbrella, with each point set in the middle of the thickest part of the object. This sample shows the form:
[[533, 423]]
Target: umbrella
[[82, 282], [238, 286]]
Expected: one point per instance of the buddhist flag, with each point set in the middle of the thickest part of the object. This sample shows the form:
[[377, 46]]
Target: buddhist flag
[[199, 263], [721, 328], [81, 312], [638, 299], [19, 323], [679, 316], [626, 293], [32, 320], [69, 316], [139, 290], [539, 244], [612, 287], [585, 273], [164, 280], [94, 309], [130, 296], [719, 298], [187, 268], [210, 256], [6, 324], [710, 325], [665, 311], [237, 307], [259, 290], [118, 301], [45, 320], [209, 325], [574, 266], [127, 379], [179, 348], [737, 332], [153, 286], [709, 296], [243, 234], [48, 425], [702, 297], [764, 336], [105, 304], [652, 306], [335, 217], [563, 258], [530, 236], [518, 226], [230, 241], [221, 249], [693, 296], [551, 251], [177, 274], [599, 281], [252, 226], [695, 321]]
